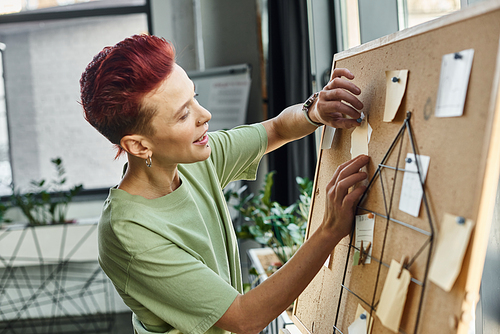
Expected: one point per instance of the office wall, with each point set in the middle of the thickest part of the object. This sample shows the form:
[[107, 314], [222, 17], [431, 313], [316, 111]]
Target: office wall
[[43, 63], [229, 36]]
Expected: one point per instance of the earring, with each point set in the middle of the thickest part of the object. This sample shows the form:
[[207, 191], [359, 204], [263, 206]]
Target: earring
[[149, 161]]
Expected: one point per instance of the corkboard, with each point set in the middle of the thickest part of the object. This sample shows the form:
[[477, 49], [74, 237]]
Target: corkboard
[[462, 177]]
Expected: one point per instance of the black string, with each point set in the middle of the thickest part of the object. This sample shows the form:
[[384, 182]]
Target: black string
[[388, 214], [25, 295], [388, 208]]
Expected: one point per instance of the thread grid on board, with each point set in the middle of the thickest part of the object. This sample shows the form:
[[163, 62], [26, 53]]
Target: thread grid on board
[[388, 191]]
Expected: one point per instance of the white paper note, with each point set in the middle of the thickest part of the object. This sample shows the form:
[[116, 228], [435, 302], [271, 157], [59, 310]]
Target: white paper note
[[452, 242], [453, 82], [412, 192], [327, 262], [369, 320], [359, 325], [328, 138], [364, 232]]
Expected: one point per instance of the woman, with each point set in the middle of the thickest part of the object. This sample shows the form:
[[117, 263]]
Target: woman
[[165, 235]]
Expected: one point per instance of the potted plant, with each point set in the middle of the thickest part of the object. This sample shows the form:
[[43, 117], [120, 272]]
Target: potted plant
[[47, 202], [48, 263], [279, 227]]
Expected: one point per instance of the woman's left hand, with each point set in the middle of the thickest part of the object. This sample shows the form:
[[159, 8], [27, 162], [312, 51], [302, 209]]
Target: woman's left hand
[[337, 100]]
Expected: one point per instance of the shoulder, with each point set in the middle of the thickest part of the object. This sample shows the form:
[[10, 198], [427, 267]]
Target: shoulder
[[244, 134], [126, 223]]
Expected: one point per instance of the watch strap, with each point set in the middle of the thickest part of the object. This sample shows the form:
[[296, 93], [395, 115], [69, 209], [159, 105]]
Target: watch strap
[[305, 108]]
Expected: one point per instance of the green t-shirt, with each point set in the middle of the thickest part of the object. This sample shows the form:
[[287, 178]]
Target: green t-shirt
[[174, 259]]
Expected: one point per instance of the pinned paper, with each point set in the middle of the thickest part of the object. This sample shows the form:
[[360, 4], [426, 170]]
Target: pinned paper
[[452, 242], [328, 137], [364, 233], [360, 138], [393, 297], [363, 322], [359, 325], [412, 190], [453, 82], [395, 90], [327, 262]]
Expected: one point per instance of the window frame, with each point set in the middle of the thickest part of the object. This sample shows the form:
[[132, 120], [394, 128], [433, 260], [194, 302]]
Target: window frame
[[68, 13]]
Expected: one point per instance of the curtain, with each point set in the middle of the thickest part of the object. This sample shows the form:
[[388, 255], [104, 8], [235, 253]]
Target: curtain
[[289, 82]]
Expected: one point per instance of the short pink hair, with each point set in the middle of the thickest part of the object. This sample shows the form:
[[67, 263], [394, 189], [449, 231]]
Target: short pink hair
[[113, 85]]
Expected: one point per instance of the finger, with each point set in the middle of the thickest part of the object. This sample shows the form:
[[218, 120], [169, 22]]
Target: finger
[[342, 123], [343, 185], [349, 166], [344, 84], [339, 95], [339, 72], [333, 109], [354, 196], [338, 120], [354, 165], [335, 176]]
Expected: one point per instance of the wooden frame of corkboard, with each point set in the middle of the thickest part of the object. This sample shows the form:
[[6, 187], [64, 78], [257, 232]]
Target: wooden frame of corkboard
[[462, 178]]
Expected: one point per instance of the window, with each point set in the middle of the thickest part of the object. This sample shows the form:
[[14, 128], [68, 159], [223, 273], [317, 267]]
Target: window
[[420, 11], [43, 61], [364, 20], [5, 171]]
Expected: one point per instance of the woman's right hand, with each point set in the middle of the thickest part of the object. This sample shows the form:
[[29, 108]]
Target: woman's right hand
[[340, 203]]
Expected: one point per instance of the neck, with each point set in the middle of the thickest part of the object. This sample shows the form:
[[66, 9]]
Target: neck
[[149, 182]]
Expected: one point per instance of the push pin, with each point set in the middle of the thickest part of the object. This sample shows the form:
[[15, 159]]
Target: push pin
[[363, 253], [460, 220], [395, 79], [409, 160], [457, 55], [359, 120], [362, 316]]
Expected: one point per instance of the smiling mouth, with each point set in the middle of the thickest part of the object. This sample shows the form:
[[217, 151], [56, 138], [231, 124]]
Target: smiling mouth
[[201, 138]]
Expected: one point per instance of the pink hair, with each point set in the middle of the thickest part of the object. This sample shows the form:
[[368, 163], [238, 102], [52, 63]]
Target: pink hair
[[115, 82]]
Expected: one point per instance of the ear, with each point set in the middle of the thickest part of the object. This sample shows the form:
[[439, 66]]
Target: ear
[[136, 145]]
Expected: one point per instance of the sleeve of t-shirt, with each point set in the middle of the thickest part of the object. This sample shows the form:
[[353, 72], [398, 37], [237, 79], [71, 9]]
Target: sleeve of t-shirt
[[178, 288], [236, 153]]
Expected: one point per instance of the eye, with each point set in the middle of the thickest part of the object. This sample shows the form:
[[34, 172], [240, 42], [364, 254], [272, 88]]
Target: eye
[[186, 114]]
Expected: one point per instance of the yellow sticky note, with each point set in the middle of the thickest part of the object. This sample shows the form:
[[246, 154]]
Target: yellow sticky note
[[395, 90], [393, 297], [452, 242]]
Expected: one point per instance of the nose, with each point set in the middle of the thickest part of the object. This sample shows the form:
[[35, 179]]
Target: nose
[[204, 116]]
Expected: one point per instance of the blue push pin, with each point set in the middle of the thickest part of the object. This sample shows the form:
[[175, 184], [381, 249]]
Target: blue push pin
[[362, 316], [460, 220], [408, 160], [395, 79], [359, 120]]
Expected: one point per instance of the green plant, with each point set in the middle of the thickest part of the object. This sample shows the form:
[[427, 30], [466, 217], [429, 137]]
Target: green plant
[[3, 210], [47, 203], [279, 227]]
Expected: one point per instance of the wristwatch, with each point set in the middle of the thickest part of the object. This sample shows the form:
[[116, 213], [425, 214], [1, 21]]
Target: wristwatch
[[305, 108]]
